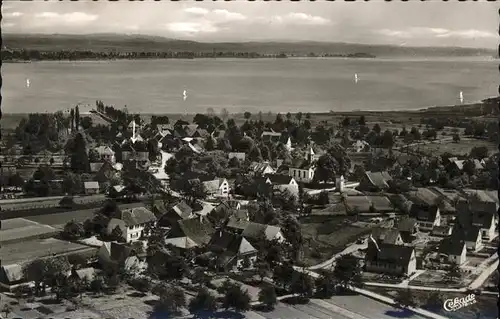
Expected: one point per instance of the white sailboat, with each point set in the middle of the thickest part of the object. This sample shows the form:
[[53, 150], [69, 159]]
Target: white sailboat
[[184, 95], [28, 83], [355, 78], [461, 97]]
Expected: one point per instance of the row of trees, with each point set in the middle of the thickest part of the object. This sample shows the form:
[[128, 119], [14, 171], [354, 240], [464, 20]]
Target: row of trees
[[36, 55]]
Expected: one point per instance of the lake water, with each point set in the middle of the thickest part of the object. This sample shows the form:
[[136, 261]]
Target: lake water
[[278, 85]]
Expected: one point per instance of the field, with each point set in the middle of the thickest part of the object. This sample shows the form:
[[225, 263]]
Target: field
[[461, 148], [327, 235]]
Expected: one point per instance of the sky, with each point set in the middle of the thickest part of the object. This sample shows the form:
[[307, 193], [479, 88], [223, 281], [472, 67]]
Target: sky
[[430, 23]]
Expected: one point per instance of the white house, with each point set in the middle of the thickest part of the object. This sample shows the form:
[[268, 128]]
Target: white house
[[486, 222], [132, 223], [217, 187], [453, 249], [427, 217], [303, 171], [390, 259]]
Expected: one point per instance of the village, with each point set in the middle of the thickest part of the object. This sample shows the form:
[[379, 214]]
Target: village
[[268, 216]]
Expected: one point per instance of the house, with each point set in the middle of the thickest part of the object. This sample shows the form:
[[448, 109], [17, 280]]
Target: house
[[261, 169], [390, 259], [217, 187], [442, 231], [454, 249], [133, 223], [233, 251], [361, 146], [91, 188], [374, 181], [113, 253], [227, 209], [408, 227], [470, 234], [128, 152], [278, 179], [240, 156], [106, 154], [387, 236], [303, 170], [88, 273], [427, 217], [480, 214], [189, 233], [270, 136], [171, 215], [254, 231], [164, 129]]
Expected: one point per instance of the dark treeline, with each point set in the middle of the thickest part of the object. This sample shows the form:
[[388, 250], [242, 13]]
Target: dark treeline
[[35, 55]]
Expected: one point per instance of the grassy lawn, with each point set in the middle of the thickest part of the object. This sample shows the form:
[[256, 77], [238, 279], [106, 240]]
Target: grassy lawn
[[461, 148], [327, 235]]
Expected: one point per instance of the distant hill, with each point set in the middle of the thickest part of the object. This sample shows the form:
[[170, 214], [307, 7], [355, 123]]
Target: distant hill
[[143, 43]]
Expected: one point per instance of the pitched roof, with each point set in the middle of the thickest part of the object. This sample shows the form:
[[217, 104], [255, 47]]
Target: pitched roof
[[406, 224], [483, 219], [232, 243], [199, 230], [278, 179], [385, 235], [394, 254], [91, 185], [467, 233], [451, 246], [424, 213], [258, 231], [137, 216], [212, 186], [182, 209], [117, 252], [379, 179], [104, 150], [181, 242], [260, 167], [237, 223]]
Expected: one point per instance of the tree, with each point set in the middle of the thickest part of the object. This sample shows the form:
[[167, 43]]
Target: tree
[[325, 284], [405, 299], [435, 300], [77, 118], [479, 152], [347, 271], [7, 309], [247, 115], [362, 120], [376, 128], [267, 296], [456, 138], [72, 184], [72, 118], [263, 269], [453, 273], [172, 299], [388, 139], [73, 230], [86, 122], [203, 301], [323, 198], [282, 275], [200, 277], [79, 158], [302, 284], [224, 114], [236, 298], [36, 271], [97, 285]]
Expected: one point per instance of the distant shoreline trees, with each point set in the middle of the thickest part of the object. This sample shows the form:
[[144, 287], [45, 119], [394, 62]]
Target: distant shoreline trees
[[13, 55]]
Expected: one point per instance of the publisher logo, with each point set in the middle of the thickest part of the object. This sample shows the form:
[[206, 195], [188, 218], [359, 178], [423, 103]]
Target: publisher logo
[[459, 303]]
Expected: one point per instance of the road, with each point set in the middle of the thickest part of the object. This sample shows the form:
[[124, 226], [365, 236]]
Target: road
[[330, 262]]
